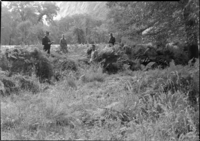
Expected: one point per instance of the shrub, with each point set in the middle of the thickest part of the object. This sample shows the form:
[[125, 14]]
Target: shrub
[[4, 63], [9, 86], [44, 70], [22, 66], [64, 67], [18, 61], [43, 67], [27, 84]]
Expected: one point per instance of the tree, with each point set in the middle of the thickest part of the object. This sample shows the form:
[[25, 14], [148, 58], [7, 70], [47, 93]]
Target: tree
[[8, 26], [34, 11], [20, 19], [158, 22], [6, 29], [23, 10], [79, 33], [48, 9], [24, 28], [81, 27], [36, 33], [191, 20]]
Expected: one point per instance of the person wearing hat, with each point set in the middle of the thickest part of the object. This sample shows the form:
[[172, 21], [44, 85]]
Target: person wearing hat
[[46, 42]]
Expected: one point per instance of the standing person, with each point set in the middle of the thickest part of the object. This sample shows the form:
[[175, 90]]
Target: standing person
[[46, 42], [112, 39], [94, 54], [63, 44]]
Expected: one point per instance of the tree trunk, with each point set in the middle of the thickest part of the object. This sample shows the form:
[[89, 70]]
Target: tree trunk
[[9, 40], [191, 33]]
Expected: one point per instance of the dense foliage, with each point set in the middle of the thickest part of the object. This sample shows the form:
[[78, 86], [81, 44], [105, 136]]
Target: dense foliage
[[84, 103], [157, 22], [150, 88], [26, 22], [132, 22]]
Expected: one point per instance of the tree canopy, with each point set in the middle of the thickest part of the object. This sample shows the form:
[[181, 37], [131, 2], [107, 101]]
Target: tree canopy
[[136, 22]]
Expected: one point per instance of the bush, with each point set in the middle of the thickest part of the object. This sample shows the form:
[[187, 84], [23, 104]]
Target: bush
[[18, 61], [22, 66], [184, 79], [43, 67], [44, 70], [17, 83], [27, 84], [63, 67], [4, 63], [9, 86]]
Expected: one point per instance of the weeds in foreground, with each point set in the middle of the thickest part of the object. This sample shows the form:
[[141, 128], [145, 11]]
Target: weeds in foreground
[[94, 74], [149, 105]]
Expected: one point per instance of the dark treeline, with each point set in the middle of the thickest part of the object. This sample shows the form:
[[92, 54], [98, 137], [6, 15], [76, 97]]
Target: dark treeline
[[131, 22]]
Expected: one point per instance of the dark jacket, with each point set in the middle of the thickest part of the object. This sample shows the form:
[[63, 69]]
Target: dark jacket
[[112, 40], [45, 42]]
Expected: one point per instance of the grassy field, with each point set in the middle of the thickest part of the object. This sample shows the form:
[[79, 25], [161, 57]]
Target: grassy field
[[153, 105]]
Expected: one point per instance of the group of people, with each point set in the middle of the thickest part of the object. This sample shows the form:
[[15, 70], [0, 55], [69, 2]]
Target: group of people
[[92, 52], [46, 42]]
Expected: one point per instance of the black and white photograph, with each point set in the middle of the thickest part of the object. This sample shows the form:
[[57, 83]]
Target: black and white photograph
[[100, 70]]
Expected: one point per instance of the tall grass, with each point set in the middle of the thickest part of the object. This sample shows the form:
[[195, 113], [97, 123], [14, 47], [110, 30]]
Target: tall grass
[[93, 74], [153, 105]]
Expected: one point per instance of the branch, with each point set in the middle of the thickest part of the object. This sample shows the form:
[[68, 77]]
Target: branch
[[40, 16]]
